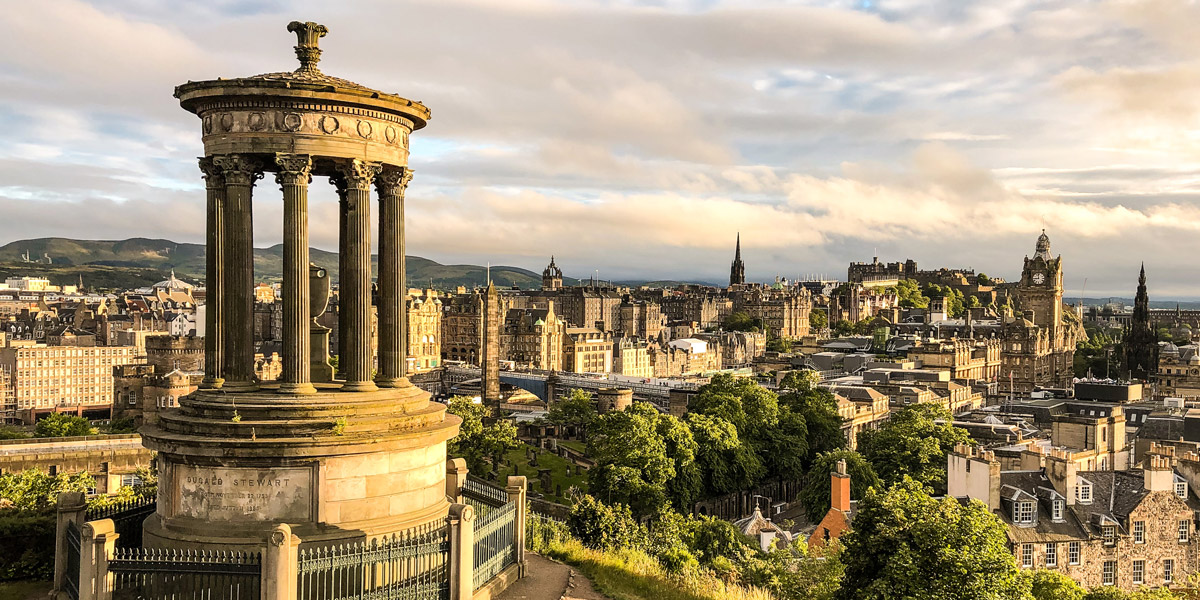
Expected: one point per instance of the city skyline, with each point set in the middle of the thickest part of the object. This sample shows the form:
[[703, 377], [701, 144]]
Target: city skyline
[[638, 140]]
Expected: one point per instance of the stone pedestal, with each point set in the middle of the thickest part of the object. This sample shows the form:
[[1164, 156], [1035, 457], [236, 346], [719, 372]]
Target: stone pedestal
[[232, 467], [318, 339]]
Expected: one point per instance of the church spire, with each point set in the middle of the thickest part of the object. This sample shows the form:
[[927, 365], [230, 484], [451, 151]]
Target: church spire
[[737, 271], [1141, 343]]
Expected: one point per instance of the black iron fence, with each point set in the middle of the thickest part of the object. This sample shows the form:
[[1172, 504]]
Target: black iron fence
[[71, 578], [495, 543], [163, 574], [481, 490], [127, 517], [413, 565]]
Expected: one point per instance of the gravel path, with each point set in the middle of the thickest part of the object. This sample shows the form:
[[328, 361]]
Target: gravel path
[[548, 580]]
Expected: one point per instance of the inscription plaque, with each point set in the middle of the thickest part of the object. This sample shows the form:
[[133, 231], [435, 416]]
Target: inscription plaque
[[243, 494]]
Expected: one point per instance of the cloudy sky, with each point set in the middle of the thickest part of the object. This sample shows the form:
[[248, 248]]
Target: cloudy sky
[[637, 138]]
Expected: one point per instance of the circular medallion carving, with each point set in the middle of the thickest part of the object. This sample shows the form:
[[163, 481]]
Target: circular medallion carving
[[291, 121], [364, 129], [329, 124], [257, 122], [277, 538], [208, 123], [390, 134], [226, 121]]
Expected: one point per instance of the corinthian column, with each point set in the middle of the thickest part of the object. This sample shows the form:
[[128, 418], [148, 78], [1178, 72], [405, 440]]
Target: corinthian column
[[355, 286], [214, 275], [391, 184], [240, 173], [294, 175]]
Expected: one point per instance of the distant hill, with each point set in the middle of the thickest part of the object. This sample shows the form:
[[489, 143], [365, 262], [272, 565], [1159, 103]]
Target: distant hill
[[1184, 304], [139, 262]]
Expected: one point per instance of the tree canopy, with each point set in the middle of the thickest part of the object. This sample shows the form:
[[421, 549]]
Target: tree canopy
[[34, 490], [475, 442], [637, 452], [577, 410], [907, 544], [63, 425], [742, 321], [912, 443]]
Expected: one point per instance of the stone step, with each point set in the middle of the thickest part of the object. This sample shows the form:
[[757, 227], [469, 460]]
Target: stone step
[[224, 426]]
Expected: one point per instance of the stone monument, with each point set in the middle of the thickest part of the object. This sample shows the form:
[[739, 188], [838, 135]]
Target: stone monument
[[336, 460]]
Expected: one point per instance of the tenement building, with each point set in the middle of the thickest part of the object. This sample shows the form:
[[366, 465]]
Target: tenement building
[[1123, 528], [423, 327], [74, 379]]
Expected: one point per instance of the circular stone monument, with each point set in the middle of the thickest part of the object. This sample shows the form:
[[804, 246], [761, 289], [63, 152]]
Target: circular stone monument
[[338, 458]]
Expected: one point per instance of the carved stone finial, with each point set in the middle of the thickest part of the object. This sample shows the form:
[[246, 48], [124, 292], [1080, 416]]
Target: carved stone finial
[[308, 34]]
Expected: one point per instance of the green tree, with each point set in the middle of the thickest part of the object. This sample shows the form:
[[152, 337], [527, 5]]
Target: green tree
[[907, 544], [122, 425], [909, 293], [687, 486], [11, 433], [602, 526], [726, 464], [632, 465], [742, 321], [577, 410], [914, 444], [475, 442], [843, 328], [1053, 585], [739, 400], [34, 490], [818, 407], [1106, 593], [983, 279], [63, 425], [818, 320], [815, 493]]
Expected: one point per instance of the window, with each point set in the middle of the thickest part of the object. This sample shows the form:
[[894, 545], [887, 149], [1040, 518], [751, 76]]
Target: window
[[1057, 515], [1051, 554], [1027, 555], [1168, 570], [1139, 572], [130, 480], [1139, 532], [1110, 534], [1023, 512], [1185, 528], [1181, 489], [1083, 492], [1110, 572]]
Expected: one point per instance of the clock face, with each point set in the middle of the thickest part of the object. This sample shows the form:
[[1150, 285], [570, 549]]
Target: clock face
[[1039, 278]]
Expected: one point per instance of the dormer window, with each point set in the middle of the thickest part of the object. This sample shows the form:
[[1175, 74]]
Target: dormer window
[[1110, 534], [1083, 491], [1057, 510], [1023, 512], [1181, 488]]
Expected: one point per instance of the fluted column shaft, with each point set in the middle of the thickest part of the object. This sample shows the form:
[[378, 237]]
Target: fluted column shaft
[[294, 175], [238, 296], [214, 268], [355, 295], [343, 268], [393, 341]]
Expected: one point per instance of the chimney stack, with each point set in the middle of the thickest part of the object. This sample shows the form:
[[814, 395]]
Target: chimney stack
[[839, 496]]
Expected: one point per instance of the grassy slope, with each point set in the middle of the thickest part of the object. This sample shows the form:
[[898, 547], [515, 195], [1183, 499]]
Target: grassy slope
[[634, 575]]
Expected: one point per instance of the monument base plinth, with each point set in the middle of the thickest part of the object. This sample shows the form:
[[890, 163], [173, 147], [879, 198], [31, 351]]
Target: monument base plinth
[[335, 466]]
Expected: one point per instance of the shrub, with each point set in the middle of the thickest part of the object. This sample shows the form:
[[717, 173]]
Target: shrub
[[604, 527], [27, 544]]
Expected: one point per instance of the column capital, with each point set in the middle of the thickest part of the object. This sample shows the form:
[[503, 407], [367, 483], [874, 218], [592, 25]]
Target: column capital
[[238, 169], [294, 169], [393, 181], [356, 174], [214, 177]]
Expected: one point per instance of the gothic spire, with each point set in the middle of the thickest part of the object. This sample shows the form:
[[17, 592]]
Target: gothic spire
[[737, 253]]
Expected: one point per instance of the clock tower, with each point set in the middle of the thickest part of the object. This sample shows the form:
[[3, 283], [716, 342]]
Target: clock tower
[[1041, 287]]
